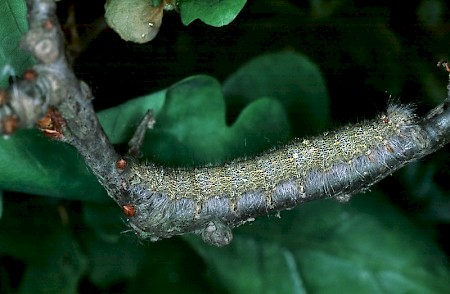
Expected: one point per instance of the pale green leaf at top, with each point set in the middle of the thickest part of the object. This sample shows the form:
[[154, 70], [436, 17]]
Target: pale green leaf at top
[[134, 20], [215, 13], [13, 25]]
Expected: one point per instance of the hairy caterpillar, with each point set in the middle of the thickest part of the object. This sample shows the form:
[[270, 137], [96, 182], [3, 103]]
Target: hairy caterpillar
[[211, 200]]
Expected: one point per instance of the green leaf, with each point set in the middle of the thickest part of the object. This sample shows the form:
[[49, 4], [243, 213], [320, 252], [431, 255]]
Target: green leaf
[[324, 8], [112, 262], [106, 219], [13, 25], [5, 274], [134, 20], [418, 179], [431, 13], [191, 129], [291, 78], [32, 163], [328, 247], [24, 221], [171, 266], [1, 204], [34, 232], [61, 273], [121, 121], [215, 13]]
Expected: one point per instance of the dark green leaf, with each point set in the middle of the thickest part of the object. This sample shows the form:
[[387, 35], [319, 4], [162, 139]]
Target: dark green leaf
[[1, 204], [121, 121], [212, 12], [114, 261], [13, 60], [171, 266], [25, 222], [289, 77], [106, 219], [191, 129], [327, 247], [62, 271], [431, 13], [34, 232], [419, 181], [321, 8], [32, 163]]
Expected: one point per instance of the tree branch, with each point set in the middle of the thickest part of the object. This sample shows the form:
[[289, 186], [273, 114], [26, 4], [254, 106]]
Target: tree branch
[[162, 202], [52, 96]]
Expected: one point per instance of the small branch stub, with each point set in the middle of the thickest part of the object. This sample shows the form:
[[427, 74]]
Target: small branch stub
[[10, 124], [121, 164], [51, 124], [129, 210], [48, 24], [4, 97], [30, 75], [444, 64]]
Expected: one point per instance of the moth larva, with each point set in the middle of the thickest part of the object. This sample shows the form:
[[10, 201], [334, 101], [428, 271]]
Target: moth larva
[[211, 200]]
